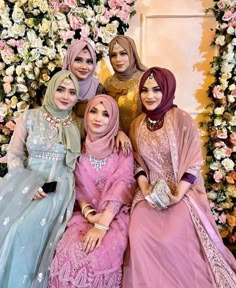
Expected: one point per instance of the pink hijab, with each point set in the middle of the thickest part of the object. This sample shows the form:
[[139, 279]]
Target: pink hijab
[[102, 145], [166, 81], [88, 87]]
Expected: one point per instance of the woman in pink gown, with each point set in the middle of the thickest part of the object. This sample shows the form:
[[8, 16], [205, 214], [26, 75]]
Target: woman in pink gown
[[90, 253], [174, 241]]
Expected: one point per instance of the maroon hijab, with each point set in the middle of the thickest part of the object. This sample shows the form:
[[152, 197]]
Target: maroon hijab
[[166, 81]]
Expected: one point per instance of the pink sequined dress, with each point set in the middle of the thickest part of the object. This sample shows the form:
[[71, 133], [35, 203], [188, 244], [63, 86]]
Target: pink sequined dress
[[107, 183]]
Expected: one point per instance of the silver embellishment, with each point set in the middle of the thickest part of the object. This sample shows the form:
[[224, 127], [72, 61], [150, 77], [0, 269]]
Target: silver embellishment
[[97, 163]]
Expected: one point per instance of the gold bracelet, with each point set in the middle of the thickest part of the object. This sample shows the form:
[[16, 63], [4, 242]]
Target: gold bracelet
[[85, 206], [89, 212], [101, 227]]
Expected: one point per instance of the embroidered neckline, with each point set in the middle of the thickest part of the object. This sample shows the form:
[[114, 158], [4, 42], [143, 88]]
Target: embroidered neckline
[[154, 125], [97, 163], [55, 122]]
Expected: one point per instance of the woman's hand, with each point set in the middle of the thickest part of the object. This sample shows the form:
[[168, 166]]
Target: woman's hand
[[94, 218], [93, 239], [40, 194], [174, 199], [123, 140]]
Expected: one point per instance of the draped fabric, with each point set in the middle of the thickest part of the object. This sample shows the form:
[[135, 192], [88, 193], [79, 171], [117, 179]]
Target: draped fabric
[[181, 242]]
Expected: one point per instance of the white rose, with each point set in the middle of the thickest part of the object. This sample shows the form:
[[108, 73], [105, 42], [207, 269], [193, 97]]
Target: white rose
[[232, 87], [34, 40], [219, 110], [20, 79], [36, 72], [228, 164], [5, 21], [39, 63], [102, 19], [22, 88], [215, 166], [10, 70], [212, 195], [217, 121], [51, 66], [2, 65], [234, 41], [16, 30], [25, 96], [232, 122], [231, 99], [44, 27], [219, 153], [230, 30], [99, 9], [3, 109], [43, 6], [220, 40], [35, 54], [18, 14]]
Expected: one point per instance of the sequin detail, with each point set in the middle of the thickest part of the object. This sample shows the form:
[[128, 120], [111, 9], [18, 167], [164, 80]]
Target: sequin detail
[[55, 122], [47, 155], [97, 163]]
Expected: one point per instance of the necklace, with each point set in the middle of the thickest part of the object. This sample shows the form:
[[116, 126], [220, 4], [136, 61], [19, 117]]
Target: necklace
[[55, 122], [97, 163], [154, 125]]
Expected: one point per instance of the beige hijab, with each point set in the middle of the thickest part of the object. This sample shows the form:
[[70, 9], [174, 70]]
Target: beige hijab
[[134, 61], [68, 135]]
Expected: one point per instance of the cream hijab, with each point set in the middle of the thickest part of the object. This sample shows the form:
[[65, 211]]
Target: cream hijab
[[68, 135], [134, 61]]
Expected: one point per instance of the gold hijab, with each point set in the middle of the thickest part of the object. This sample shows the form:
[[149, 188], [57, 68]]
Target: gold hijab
[[134, 61], [68, 134]]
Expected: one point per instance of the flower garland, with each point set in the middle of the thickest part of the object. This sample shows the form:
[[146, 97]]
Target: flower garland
[[221, 146], [34, 37]]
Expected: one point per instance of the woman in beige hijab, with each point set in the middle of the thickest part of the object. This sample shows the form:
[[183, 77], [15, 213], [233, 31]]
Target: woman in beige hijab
[[123, 84], [37, 194]]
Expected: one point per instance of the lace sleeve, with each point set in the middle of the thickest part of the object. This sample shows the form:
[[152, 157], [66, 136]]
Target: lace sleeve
[[17, 152]]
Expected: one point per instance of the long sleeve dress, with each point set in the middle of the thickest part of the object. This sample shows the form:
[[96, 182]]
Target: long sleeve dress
[[180, 245], [30, 230], [105, 184]]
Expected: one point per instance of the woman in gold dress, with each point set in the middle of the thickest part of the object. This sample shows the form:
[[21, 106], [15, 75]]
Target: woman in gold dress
[[123, 84]]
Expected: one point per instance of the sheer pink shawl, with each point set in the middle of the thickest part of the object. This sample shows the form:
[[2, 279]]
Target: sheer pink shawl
[[185, 153], [88, 87]]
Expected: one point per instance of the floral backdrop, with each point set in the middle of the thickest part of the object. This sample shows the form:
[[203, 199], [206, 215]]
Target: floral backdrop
[[221, 147], [34, 35]]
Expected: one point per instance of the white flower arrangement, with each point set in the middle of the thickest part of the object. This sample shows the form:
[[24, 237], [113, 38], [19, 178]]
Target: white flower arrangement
[[34, 37], [221, 147]]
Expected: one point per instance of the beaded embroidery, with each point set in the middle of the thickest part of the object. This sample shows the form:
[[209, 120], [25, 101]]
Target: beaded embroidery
[[55, 122], [97, 163], [154, 125]]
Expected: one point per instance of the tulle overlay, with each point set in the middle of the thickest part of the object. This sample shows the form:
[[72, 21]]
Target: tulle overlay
[[30, 229]]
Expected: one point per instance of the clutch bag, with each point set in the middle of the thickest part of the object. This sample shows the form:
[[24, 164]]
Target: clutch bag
[[158, 196]]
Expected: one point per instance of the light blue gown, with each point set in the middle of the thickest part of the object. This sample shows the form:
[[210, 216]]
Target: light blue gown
[[30, 230]]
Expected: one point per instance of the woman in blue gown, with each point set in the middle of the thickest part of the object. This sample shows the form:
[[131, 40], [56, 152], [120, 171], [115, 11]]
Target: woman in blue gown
[[43, 149]]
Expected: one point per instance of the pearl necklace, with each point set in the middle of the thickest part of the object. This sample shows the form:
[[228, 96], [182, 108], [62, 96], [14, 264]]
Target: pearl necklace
[[154, 125]]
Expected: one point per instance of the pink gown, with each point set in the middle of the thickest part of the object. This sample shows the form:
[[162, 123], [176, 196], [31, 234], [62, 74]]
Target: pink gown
[[105, 184], [173, 248]]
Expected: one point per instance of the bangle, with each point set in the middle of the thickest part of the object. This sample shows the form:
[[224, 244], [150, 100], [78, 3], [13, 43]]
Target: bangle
[[89, 212], [85, 206], [101, 227]]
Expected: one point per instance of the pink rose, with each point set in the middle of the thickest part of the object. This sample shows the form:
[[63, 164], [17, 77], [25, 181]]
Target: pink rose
[[70, 3], [217, 176], [11, 125], [3, 159], [123, 15], [232, 138], [8, 79], [222, 218], [75, 22], [11, 42], [219, 144], [20, 43], [227, 16], [85, 30], [222, 134], [2, 44], [217, 92], [221, 5], [112, 3], [95, 34], [7, 87], [67, 35]]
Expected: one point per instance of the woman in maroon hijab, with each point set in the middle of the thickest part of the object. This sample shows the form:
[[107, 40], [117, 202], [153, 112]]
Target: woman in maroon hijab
[[174, 241]]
